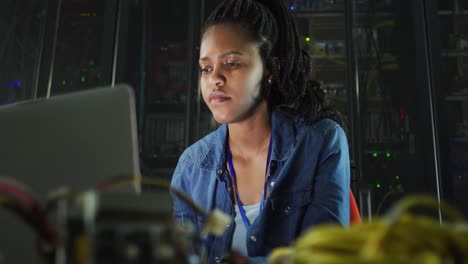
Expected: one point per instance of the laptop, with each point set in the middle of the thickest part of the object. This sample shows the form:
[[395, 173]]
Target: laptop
[[76, 140]]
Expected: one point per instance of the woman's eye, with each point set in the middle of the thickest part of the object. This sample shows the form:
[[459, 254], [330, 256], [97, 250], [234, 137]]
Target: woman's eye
[[205, 69], [233, 64]]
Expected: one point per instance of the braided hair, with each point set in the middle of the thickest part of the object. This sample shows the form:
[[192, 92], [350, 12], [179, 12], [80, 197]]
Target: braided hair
[[270, 24]]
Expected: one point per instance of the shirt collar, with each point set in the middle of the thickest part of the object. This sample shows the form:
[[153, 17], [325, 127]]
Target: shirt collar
[[283, 135]]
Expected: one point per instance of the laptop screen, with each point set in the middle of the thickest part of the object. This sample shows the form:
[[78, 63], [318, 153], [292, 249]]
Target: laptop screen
[[76, 140]]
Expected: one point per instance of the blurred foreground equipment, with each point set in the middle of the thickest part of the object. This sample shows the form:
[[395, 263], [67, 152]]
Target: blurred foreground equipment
[[399, 238], [119, 228], [109, 225]]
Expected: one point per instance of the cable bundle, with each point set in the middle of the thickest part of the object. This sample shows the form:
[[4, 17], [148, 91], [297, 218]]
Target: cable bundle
[[399, 238], [16, 198]]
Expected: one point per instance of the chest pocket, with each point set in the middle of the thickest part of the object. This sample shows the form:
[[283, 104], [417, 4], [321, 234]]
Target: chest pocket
[[190, 222], [287, 203]]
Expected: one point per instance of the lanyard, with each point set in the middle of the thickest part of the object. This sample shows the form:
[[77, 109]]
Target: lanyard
[[233, 179]]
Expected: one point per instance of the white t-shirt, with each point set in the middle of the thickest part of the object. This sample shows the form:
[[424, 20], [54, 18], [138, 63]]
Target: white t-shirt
[[239, 242]]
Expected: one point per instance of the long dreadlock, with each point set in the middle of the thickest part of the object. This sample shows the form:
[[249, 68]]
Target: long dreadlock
[[270, 24]]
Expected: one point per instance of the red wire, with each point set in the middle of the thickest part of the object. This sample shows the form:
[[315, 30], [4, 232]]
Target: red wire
[[19, 194], [30, 203]]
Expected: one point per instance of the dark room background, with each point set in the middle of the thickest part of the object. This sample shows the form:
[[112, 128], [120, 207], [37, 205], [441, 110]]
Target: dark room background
[[397, 70]]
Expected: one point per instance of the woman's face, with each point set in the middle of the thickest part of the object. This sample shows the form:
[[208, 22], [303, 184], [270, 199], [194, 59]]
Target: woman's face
[[231, 73]]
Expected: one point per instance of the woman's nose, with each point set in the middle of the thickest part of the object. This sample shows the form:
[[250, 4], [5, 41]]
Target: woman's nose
[[217, 78]]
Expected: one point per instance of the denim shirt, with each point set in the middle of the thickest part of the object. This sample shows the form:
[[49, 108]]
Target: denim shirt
[[308, 184]]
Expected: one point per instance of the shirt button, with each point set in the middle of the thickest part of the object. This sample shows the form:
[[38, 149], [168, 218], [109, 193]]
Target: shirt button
[[217, 259], [253, 238], [219, 172], [272, 183], [287, 209]]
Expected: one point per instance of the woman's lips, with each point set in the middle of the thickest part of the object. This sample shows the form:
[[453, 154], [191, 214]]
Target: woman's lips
[[218, 97]]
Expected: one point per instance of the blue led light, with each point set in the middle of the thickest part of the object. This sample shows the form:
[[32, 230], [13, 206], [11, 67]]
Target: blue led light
[[18, 84], [11, 85], [291, 7]]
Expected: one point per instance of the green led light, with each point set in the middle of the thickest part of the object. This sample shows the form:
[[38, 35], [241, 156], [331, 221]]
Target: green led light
[[388, 154], [64, 82], [307, 39], [377, 185], [375, 154], [397, 177], [91, 62], [83, 79]]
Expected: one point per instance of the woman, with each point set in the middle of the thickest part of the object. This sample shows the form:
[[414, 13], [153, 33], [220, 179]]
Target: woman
[[279, 162]]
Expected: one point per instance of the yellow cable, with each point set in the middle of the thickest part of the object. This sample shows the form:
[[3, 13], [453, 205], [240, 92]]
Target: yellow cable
[[399, 238], [4, 201]]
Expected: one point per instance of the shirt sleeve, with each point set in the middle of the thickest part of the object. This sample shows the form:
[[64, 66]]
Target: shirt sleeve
[[180, 182], [330, 197]]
